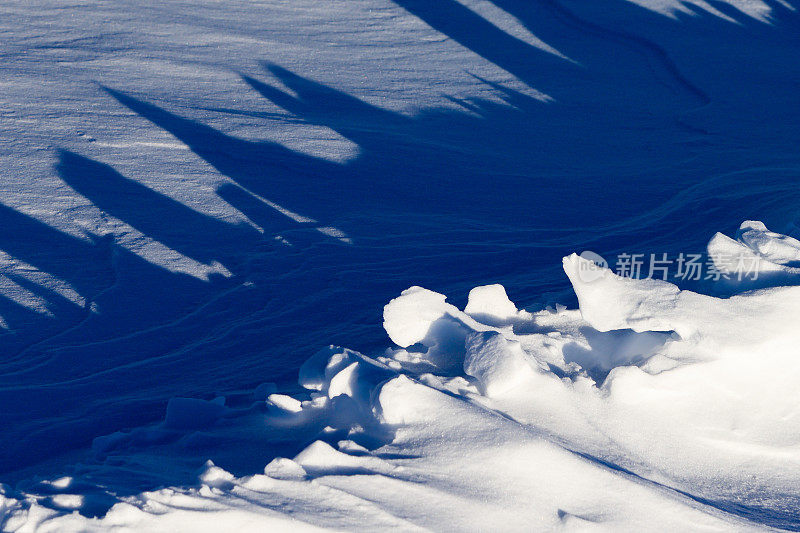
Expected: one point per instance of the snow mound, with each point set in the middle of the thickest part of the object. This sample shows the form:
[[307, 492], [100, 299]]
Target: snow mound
[[648, 408]]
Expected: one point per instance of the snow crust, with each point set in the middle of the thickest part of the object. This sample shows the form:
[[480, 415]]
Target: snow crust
[[648, 408]]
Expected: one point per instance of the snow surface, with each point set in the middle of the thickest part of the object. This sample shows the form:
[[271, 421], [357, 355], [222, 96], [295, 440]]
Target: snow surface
[[196, 196], [471, 426]]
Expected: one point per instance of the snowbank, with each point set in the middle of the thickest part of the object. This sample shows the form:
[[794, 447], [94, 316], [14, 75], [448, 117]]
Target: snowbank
[[650, 408]]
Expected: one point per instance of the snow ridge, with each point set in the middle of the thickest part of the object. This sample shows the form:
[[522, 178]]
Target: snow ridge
[[495, 415]]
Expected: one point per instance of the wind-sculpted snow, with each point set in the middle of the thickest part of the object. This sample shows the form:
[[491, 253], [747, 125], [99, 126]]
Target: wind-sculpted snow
[[498, 417], [190, 188], [196, 196]]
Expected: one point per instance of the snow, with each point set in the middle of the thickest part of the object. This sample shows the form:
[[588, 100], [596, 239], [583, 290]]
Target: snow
[[699, 430], [754, 8], [490, 302], [200, 201]]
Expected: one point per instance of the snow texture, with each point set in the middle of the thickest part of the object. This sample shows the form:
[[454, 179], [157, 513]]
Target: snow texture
[[199, 201]]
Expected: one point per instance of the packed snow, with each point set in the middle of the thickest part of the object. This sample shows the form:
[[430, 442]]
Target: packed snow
[[195, 197]]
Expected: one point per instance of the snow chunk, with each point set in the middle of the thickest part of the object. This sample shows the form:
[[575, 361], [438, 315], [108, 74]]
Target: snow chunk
[[320, 458], [214, 476], [498, 364], [608, 301], [490, 301], [286, 469], [736, 260], [408, 318], [284, 403], [343, 382], [774, 247], [758, 258]]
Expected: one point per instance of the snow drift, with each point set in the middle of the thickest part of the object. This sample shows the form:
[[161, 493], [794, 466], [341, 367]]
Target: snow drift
[[648, 408]]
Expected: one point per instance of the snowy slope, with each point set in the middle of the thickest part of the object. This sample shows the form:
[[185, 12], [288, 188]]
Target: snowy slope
[[197, 196]]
